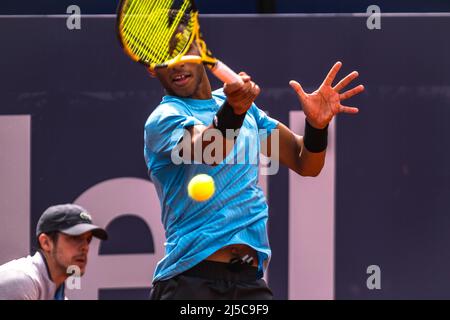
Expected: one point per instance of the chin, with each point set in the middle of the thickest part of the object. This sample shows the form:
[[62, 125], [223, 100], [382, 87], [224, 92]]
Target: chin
[[82, 270], [82, 266], [184, 93]]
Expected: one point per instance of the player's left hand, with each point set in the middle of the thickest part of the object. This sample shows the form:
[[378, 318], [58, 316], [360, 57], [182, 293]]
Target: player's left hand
[[323, 104]]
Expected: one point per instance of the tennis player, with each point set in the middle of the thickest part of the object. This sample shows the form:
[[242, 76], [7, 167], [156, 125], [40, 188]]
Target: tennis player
[[219, 249]]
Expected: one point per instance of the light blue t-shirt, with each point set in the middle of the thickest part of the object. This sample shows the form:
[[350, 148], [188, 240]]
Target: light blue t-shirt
[[237, 213]]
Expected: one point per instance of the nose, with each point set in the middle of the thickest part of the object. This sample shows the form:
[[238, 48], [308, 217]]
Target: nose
[[85, 246]]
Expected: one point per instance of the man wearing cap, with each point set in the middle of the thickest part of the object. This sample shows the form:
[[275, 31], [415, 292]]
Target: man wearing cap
[[63, 233]]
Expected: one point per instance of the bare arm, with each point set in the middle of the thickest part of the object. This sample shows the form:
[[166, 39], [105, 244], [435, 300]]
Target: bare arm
[[294, 155], [320, 107], [240, 97], [200, 137]]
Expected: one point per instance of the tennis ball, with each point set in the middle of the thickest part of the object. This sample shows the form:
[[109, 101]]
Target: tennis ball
[[201, 187]]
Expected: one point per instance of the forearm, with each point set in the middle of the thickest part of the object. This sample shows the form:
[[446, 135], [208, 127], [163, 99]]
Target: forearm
[[293, 153], [211, 145], [208, 146], [311, 163], [315, 142]]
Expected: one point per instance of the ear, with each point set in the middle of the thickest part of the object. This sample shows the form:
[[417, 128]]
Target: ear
[[45, 242], [151, 72]]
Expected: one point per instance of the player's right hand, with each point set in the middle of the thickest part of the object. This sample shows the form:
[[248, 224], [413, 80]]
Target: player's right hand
[[241, 96]]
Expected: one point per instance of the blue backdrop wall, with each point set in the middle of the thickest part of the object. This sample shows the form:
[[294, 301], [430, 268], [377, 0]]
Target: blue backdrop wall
[[88, 103], [234, 6]]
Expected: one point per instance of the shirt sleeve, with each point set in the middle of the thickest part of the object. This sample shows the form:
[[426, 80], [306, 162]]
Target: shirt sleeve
[[16, 285], [165, 127], [265, 123]]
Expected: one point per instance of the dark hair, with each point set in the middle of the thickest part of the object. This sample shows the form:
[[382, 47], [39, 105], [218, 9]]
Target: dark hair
[[185, 19], [53, 235]]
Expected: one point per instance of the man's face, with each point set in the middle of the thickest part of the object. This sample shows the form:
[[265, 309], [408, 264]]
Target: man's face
[[71, 250], [184, 79]]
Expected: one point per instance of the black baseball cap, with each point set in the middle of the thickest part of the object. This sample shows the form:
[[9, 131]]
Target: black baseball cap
[[70, 219]]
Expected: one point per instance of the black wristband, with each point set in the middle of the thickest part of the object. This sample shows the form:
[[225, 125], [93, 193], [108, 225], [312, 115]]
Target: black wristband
[[225, 119], [315, 140]]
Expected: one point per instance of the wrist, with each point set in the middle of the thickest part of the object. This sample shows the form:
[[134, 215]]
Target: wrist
[[237, 109], [226, 119], [315, 140], [316, 125]]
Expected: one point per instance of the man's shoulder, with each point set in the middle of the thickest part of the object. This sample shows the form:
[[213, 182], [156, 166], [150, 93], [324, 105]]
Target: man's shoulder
[[14, 274], [17, 279], [24, 268], [171, 103], [167, 107]]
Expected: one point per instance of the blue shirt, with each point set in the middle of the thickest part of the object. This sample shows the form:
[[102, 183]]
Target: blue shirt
[[237, 213], [59, 294]]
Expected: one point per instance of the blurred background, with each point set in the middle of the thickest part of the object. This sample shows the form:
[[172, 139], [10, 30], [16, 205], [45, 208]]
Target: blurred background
[[73, 108]]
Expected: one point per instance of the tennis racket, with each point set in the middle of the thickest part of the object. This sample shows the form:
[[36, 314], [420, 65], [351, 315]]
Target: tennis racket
[[159, 33]]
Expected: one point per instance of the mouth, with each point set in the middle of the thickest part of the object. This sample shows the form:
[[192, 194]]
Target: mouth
[[81, 260], [181, 79]]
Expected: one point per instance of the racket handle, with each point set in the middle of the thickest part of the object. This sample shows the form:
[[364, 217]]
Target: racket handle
[[225, 74]]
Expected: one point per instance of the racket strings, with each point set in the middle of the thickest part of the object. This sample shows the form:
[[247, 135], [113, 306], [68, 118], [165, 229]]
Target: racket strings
[[180, 43], [135, 20], [138, 42], [139, 21], [149, 33], [160, 23], [133, 26]]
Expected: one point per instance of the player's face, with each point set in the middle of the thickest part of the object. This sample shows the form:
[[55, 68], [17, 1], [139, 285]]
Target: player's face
[[187, 80], [72, 250]]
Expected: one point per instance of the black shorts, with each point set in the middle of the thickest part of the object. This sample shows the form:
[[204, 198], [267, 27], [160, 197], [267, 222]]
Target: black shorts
[[211, 280]]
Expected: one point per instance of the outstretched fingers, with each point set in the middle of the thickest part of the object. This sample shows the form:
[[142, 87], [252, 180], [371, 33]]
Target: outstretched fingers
[[346, 109], [350, 93], [346, 81], [332, 74], [298, 89]]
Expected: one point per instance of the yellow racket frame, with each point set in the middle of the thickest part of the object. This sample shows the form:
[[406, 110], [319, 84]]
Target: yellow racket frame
[[219, 69]]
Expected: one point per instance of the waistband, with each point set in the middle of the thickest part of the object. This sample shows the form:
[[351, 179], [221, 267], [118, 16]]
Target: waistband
[[213, 270]]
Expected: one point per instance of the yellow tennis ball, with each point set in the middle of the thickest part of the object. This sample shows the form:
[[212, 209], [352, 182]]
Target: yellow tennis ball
[[201, 187]]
